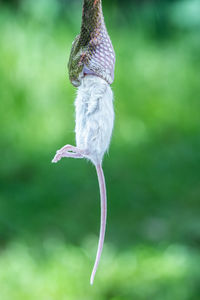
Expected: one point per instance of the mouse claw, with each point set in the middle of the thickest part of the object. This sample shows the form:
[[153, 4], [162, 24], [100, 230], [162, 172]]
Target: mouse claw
[[59, 154], [67, 151], [55, 159]]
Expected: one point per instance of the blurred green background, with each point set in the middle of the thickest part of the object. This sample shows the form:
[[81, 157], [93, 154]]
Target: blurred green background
[[49, 214]]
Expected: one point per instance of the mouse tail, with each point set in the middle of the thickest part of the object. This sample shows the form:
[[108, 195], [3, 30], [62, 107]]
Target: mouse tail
[[102, 187]]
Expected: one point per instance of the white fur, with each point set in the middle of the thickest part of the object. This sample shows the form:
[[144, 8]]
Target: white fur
[[94, 117]]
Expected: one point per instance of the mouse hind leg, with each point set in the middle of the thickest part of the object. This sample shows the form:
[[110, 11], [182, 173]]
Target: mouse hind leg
[[68, 151]]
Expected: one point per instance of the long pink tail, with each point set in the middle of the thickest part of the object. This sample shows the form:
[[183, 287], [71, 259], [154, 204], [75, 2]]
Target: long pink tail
[[102, 187]]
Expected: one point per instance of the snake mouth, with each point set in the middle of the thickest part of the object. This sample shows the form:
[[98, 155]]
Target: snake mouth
[[86, 71], [76, 82]]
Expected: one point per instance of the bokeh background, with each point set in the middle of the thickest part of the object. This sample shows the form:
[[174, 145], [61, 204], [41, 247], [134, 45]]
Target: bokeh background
[[49, 214]]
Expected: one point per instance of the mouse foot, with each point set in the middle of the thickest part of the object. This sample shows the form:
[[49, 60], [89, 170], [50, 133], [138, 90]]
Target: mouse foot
[[68, 151]]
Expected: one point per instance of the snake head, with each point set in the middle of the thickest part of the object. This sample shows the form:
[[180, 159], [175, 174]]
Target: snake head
[[76, 64], [92, 52]]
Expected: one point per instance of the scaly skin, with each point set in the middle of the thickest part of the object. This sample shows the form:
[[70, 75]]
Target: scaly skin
[[92, 51]]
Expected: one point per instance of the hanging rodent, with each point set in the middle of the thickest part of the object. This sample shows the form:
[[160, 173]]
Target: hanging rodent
[[91, 69]]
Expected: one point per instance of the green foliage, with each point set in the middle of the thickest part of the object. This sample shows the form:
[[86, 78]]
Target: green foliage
[[152, 168], [61, 273]]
